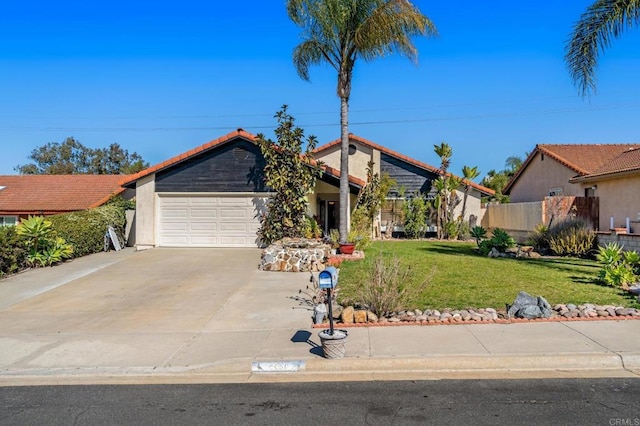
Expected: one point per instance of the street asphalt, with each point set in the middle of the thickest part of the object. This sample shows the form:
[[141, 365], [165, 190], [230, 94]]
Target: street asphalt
[[210, 316]]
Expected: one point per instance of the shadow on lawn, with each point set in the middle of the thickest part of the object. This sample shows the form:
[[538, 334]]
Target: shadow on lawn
[[448, 249]]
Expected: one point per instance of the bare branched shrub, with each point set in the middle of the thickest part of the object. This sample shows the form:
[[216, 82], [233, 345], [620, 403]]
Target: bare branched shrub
[[385, 288]]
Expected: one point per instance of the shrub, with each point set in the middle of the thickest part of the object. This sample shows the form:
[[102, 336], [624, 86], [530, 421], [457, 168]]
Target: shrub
[[501, 240], [463, 230], [13, 253], [383, 289], [478, 233], [572, 237], [619, 268], [539, 239], [85, 230], [415, 216], [44, 247]]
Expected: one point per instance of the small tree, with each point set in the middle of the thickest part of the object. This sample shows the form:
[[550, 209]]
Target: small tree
[[291, 175], [415, 210]]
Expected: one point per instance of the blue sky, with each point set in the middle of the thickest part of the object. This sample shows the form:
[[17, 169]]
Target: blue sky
[[160, 78]]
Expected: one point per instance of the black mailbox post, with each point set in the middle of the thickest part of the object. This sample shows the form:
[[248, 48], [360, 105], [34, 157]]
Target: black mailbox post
[[328, 280]]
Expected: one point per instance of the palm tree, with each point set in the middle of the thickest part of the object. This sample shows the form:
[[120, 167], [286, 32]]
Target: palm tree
[[602, 22], [444, 151], [341, 31], [469, 174]]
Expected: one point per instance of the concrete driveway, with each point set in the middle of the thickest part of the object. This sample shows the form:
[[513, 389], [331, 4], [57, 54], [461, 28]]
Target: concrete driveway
[[155, 308]]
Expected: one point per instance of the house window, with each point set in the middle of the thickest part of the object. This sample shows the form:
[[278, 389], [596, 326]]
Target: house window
[[556, 191], [8, 220], [352, 149]]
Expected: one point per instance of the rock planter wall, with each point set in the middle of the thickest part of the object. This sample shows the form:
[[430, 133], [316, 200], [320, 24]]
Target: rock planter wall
[[294, 255]]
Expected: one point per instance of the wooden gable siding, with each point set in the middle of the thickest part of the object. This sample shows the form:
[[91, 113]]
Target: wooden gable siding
[[235, 167], [407, 176]]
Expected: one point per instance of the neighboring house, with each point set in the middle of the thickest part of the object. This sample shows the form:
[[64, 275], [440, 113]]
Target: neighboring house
[[411, 175], [211, 196], [22, 196], [610, 172]]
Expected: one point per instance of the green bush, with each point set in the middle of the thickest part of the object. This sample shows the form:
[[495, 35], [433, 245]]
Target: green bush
[[415, 216], [572, 237], [44, 247], [619, 268], [85, 230], [500, 240], [13, 253], [478, 233], [539, 239]]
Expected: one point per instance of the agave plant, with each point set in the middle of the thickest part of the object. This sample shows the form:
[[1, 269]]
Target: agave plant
[[478, 233], [37, 230]]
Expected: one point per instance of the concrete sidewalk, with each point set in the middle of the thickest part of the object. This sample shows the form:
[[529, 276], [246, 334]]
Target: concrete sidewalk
[[255, 331]]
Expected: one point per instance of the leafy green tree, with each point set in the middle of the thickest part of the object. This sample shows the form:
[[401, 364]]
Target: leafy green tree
[[291, 175], [72, 157], [415, 211], [497, 180], [341, 31], [602, 22]]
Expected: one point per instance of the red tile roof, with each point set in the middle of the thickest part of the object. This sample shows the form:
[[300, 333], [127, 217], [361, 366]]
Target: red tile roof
[[399, 156], [50, 194], [625, 163], [584, 159]]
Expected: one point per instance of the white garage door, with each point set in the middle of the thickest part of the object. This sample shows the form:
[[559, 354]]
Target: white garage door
[[206, 221]]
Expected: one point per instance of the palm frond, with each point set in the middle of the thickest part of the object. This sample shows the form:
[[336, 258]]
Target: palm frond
[[311, 52], [602, 22], [389, 28]]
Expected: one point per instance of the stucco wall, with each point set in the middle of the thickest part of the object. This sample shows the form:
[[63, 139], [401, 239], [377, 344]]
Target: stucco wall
[[357, 161], [619, 198], [540, 176], [145, 212], [474, 206], [514, 216]]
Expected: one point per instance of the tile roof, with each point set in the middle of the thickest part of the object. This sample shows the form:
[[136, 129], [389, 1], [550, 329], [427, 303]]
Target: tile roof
[[49, 194], [583, 159], [399, 156], [627, 162]]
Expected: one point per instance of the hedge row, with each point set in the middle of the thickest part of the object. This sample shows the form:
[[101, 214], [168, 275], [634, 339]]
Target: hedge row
[[13, 255], [84, 230]]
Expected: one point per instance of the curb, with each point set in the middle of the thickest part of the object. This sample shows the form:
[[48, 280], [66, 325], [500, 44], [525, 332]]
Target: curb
[[348, 369]]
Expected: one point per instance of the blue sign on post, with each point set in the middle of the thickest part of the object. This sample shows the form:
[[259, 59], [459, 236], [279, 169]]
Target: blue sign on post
[[328, 278]]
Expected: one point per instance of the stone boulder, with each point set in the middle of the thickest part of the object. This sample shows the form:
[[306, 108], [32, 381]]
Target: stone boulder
[[529, 307]]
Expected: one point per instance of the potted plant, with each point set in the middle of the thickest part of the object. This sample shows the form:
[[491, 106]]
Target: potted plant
[[334, 240]]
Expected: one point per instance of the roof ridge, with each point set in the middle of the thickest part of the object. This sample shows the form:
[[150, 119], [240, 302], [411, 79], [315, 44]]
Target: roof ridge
[[240, 132]]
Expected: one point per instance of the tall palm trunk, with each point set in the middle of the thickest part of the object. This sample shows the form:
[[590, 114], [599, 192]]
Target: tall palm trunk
[[344, 169]]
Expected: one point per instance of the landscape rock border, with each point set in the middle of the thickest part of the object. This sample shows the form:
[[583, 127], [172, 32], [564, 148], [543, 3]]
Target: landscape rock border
[[559, 313]]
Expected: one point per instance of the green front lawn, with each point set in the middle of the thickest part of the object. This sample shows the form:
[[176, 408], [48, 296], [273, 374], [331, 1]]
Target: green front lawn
[[464, 279]]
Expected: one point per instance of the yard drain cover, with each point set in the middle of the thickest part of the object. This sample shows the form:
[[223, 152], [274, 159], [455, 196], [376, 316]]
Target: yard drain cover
[[276, 366]]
